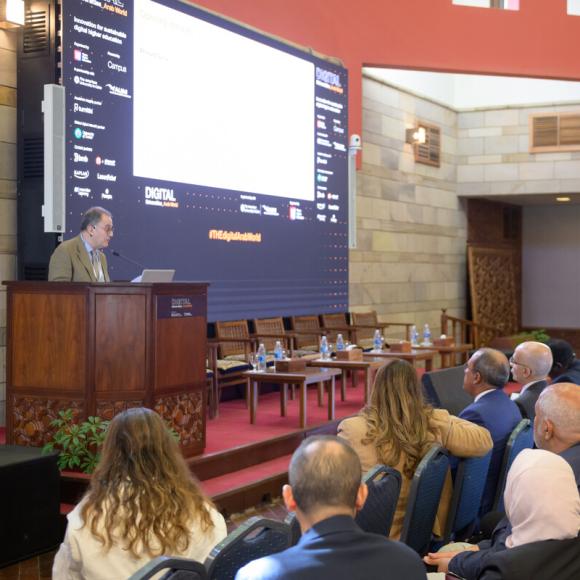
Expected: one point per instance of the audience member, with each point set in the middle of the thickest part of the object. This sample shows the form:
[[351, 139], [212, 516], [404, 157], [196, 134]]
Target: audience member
[[397, 428], [543, 506], [557, 423], [325, 491], [566, 367], [530, 364], [142, 502], [486, 373]]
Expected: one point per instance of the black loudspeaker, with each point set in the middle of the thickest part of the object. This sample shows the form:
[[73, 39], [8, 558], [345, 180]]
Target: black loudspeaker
[[29, 503]]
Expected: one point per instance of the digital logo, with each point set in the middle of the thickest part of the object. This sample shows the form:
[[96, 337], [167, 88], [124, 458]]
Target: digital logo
[[80, 109], [118, 91], [82, 134], [107, 162], [106, 177], [106, 194], [79, 158], [82, 191], [116, 66], [81, 174], [78, 54]]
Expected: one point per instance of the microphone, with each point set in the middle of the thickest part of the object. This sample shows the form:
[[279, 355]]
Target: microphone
[[129, 260]]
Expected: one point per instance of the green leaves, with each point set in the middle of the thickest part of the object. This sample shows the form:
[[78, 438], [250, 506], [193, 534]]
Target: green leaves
[[78, 443]]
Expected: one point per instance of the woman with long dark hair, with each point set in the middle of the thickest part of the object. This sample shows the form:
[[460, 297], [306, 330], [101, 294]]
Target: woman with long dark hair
[[397, 428], [142, 502]]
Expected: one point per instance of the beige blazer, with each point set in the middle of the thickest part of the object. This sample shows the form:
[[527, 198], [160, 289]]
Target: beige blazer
[[70, 262], [459, 437]]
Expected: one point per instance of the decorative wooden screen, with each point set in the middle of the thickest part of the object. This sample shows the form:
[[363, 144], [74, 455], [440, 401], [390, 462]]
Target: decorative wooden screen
[[493, 282], [429, 152], [555, 132]]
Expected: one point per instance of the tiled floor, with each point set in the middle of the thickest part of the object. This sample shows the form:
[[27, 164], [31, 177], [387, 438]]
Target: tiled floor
[[40, 567]]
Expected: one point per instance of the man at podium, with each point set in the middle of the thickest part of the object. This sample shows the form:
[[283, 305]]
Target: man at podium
[[81, 259]]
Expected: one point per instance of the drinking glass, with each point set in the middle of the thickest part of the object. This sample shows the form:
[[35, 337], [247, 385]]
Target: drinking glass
[[253, 360]]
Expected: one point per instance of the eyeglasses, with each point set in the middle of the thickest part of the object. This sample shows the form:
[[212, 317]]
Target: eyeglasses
[[515, 362], [108, 229]]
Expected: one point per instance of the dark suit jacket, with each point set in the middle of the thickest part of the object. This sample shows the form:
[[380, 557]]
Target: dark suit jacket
[[527, 401], [571, 374], [70, 262], [547, 560], [499, 415], [337, 548], [572, 456]]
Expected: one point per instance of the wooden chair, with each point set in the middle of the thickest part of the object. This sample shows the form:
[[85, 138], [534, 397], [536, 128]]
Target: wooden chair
[[468, 332], [336, 324], [229, 354], [307, 333], [364, 325], [270, 330]]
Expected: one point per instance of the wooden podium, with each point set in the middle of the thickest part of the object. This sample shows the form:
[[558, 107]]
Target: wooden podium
[[102, 348]]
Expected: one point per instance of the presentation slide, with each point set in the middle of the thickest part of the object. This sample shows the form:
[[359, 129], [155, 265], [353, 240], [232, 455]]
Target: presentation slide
[[221, 152]]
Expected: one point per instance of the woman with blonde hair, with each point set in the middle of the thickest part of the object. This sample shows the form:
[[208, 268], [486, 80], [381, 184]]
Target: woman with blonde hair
[[142, 502], [397, 428]]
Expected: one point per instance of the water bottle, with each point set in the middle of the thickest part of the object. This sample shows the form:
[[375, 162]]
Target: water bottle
[[414, 336], [278, 352], [339, 342], [377, 341], [324, 350], [427, 335], [261, 358]]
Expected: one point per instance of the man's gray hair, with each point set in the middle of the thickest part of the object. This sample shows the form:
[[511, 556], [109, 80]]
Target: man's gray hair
[[493, 366], [93, 216], [560, 403], [324, 471]]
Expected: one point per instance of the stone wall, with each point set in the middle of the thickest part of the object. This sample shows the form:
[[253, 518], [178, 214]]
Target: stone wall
[[7, 189], [493, 155], [410, 256]]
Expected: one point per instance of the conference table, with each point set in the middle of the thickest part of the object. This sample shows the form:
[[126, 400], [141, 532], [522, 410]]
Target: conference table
[[300, 379], [368, 367], [449, 353], [414, 356]]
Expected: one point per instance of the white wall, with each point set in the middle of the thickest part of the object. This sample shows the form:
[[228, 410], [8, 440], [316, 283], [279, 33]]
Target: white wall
[[463, 91], [551, 266]]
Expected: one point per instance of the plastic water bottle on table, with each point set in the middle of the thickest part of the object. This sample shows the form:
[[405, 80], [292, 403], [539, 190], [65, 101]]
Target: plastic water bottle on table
[[324, 349], [261, 358]]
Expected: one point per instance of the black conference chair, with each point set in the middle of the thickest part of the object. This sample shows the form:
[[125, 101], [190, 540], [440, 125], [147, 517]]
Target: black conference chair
[[424, 497], [470, 479], [522, 437], [255, 538], [175, 569], [295, 532], [444, 389], [377, 514]]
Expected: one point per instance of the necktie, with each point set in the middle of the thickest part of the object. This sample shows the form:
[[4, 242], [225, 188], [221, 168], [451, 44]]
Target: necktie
[[96, 262]]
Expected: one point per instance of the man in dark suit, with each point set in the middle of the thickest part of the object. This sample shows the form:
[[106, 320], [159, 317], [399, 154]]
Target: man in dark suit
[[486, 373], [530, 364], [557, 423], [325, 491], [566, 367], [81, 259]]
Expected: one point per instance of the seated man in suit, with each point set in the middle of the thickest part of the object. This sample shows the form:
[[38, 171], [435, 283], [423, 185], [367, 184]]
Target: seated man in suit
[[80, 259], [530, 364], [486, 373], [566, 368], [557, 423], [325, 491], [556, 429]]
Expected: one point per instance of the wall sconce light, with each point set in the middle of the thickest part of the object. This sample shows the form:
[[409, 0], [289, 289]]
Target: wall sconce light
[[417, 135], [11, 13]]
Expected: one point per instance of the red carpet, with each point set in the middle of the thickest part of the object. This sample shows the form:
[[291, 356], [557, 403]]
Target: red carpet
[[232, 428]]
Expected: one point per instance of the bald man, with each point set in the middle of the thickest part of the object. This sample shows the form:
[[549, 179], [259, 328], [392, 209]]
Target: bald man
[[531, 364], [325, 492], [557, 423]]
